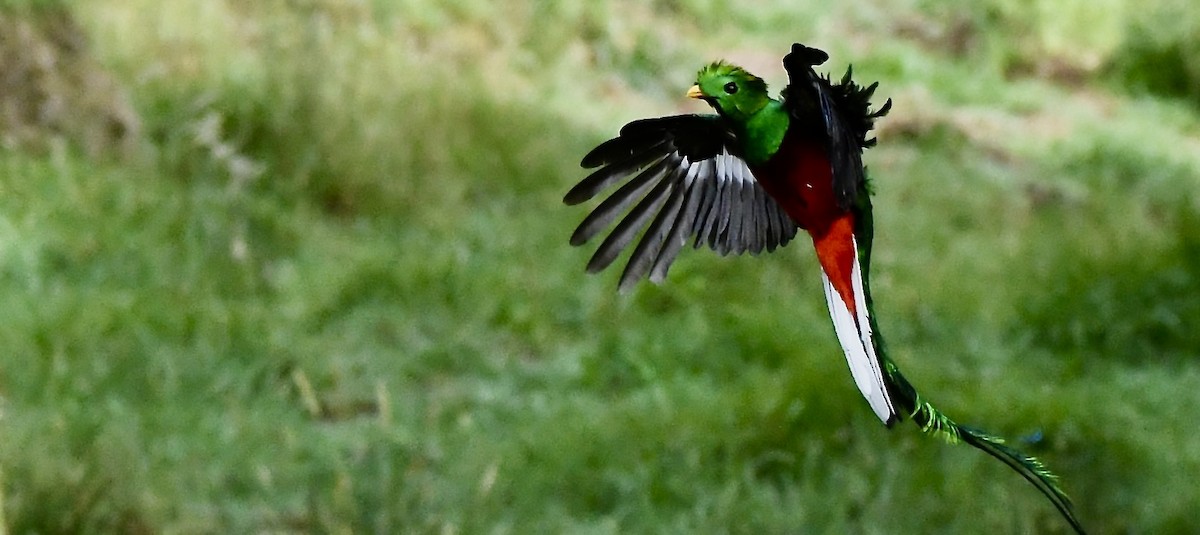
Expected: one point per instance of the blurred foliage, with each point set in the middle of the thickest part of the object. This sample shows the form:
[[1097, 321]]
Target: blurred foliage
[[44, 64], [1133, 303], [1161, 53], [326, 286]]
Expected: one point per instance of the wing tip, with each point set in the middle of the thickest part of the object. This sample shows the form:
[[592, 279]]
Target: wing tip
[[807, 55], [575, 197]]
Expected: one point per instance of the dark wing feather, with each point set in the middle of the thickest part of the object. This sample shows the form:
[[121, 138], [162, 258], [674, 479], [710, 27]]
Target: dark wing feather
[[685, 183], [845, 155], [617, 168], [656, 234], [684, 224], [842, 109], [625, 231], [607, 211]]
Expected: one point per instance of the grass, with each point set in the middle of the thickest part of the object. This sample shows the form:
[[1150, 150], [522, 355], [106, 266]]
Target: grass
[[329, 288]]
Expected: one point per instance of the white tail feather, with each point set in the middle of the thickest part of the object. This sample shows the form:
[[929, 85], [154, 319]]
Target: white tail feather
[[854, 333]]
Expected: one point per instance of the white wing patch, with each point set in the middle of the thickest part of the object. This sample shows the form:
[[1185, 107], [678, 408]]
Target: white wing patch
[[734, 168], [854, 334]]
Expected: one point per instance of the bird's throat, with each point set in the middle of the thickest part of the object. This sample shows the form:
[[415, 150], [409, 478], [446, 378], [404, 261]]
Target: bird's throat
[[761, 134]]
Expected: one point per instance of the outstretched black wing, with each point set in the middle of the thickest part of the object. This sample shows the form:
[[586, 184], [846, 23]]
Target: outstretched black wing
[[683, 172], [843, 108]]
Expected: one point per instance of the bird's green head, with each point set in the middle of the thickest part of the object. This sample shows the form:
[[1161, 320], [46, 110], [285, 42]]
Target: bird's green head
[[735, 93]]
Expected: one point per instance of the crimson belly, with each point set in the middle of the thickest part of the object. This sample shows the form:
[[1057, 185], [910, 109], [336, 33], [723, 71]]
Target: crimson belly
[[800, 178]]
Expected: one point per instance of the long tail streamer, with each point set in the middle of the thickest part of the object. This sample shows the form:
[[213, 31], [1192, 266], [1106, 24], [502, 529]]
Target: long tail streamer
[[933, 422]]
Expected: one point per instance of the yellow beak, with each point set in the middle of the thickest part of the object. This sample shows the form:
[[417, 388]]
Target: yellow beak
[[694, 92]]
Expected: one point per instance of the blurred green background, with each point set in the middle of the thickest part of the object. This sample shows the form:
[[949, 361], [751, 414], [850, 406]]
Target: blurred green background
[[301, 266]]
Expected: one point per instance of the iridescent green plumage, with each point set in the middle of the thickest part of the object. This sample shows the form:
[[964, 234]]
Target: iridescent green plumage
[[735, 93]]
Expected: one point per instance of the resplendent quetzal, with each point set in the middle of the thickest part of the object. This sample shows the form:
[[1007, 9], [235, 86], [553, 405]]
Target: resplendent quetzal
[[745, 180]]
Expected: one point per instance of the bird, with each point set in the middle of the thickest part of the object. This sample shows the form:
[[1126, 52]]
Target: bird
[[747, 179]]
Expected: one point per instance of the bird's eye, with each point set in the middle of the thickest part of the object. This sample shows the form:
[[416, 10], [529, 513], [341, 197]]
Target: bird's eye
[[731, 88]]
